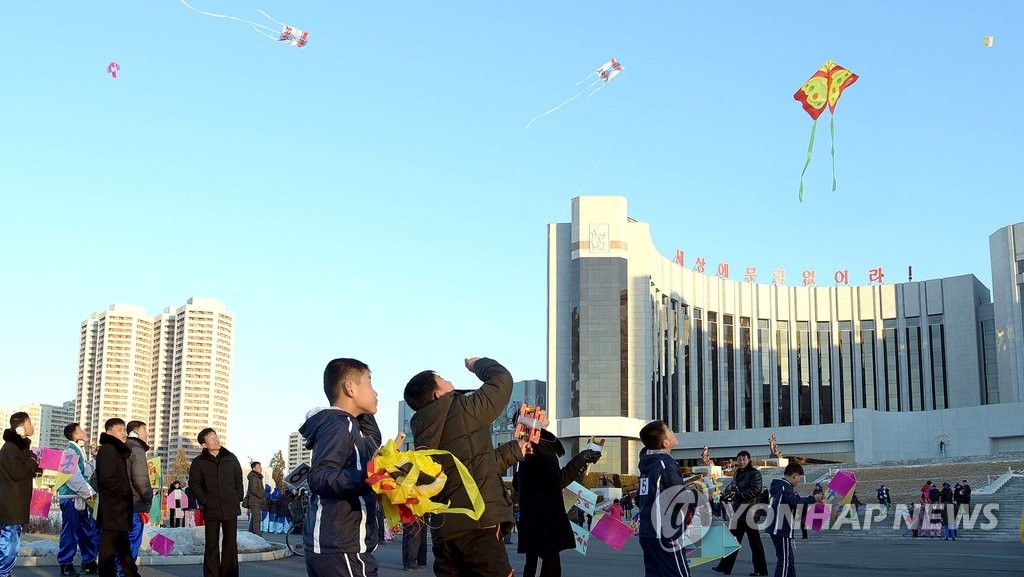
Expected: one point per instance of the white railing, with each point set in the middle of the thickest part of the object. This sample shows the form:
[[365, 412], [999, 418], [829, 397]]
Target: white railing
[[995, 485]]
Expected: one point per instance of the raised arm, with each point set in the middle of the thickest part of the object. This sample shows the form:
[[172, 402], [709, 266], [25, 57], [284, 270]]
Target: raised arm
[[492, 397]]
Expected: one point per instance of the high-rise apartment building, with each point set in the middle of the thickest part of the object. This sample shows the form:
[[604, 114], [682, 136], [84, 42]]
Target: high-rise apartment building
[[297, 451], [172, 371]]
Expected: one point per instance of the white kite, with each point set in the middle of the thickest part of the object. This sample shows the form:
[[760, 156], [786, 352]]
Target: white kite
[[604, 74], [287, 34]]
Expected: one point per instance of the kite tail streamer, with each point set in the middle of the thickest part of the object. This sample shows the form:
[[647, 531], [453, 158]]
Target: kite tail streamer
[[832, 129], [810, 147], [253, 24], [578, 94]]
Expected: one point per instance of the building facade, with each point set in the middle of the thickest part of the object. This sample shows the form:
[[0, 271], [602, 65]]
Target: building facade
[[49, 422], [172, 371], [297, 452], [634, 336], [531, 392]]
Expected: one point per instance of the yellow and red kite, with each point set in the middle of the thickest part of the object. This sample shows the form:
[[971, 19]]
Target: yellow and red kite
[[824, 88]]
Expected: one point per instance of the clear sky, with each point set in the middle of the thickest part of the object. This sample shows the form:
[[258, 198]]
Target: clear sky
[[376, 194]]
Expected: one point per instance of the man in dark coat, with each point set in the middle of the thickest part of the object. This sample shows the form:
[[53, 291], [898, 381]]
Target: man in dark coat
[[544, 528], [461, 424], [17, 467], [745, 489], [114, 517], [138, 473], [257, 497], [216, 479]]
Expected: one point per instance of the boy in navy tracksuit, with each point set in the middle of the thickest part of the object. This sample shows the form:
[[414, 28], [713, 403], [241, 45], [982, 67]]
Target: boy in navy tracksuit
[[340, 529], [661, 482], [783, 500]]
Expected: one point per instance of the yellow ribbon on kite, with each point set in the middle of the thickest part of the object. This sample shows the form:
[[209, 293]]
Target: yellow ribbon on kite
[[394, 474]]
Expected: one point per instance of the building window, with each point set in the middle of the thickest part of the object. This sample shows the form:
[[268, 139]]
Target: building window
[[914, 358], [715, 388], [764, 348], [990, 386], [803, 371], [700, 369], [730, 370], [674, 381], [892, 365], [846, 371], [867, 365], [687, 385], [940, 394], [782, 359], [748, 409]]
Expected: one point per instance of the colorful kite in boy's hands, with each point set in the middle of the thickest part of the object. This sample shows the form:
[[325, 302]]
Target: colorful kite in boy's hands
[[824, 88]]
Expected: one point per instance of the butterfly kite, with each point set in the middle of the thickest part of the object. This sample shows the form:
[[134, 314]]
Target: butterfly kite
[[112, 69], [604, 74], [287, 34], [823, 88]]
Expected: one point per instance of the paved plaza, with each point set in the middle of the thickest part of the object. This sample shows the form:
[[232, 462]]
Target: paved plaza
[[819, 555]]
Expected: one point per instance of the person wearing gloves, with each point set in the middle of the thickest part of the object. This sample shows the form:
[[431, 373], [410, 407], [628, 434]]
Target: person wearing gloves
[[77, 526], [544, 529]]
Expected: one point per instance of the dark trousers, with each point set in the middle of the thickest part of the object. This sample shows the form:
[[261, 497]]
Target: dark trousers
[[255, 516], [414, 545], [115, 547], [217, 562], [551, 565], [785, 563], [479, 552], [664, 558], [756, 549]]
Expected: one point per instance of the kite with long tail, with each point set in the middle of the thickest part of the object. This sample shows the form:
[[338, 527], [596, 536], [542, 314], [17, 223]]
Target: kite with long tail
[[287, 34], [821, 90], [604, 74]]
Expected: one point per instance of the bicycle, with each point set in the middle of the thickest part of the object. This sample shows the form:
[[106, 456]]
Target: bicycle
[[293, 537]]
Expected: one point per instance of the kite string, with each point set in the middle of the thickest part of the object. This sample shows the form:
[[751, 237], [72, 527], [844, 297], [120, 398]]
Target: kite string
[[256, 26], [578, 94]]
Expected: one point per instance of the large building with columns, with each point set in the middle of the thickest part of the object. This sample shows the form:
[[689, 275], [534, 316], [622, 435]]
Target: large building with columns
[[847, 373]]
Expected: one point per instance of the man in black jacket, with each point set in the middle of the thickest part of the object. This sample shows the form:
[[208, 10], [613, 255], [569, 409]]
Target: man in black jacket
[[461, 424], [17, 467], [114, 517], [216, 479], [745, 489]]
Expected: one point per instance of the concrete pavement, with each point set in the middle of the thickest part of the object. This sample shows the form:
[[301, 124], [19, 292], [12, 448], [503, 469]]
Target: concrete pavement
[[821, 554]]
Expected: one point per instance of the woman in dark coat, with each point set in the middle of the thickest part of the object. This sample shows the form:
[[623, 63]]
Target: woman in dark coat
[[544, 528]]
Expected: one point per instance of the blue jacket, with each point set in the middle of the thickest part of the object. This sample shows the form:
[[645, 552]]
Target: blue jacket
[[342, 513], [659, 472], [783, 500]]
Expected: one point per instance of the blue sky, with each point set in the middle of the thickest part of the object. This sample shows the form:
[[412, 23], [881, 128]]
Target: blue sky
[[376, 194]]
